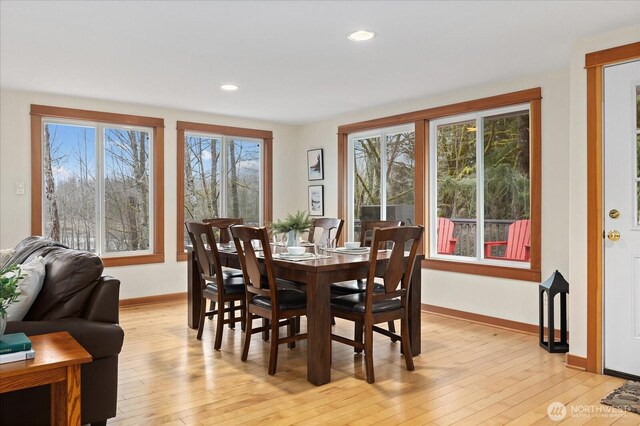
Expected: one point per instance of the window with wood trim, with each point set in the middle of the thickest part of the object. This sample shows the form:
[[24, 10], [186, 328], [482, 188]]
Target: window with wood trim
[[222, 172], [479, 193], [96, 183], [481, 188], [381, 177]]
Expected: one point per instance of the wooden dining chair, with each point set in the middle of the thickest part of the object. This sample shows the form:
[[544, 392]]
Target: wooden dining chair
[[222, 224], [327, 224], [366, 236], [359, 286], [264, 297], [374, 307], [217, 287]]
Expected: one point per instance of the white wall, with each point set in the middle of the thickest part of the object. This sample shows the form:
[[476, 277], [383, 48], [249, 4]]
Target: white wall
[[509, 299], [578, 177], [137, 281]]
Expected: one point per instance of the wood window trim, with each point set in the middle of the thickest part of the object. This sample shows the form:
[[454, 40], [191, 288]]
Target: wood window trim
[[38, 112], [594, 64], [421, 121], [267, 164]]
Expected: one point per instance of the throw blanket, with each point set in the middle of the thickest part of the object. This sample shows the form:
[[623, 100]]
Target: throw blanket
[[29, 246]]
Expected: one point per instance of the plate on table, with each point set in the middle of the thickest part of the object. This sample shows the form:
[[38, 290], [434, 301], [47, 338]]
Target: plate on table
[[359, 250], [304, 256]]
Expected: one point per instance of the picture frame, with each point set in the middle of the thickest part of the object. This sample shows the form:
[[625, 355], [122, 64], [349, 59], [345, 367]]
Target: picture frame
[[316, 200], [315, 164]]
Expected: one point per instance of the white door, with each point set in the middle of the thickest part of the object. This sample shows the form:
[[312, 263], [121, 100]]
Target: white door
[[622, 229]]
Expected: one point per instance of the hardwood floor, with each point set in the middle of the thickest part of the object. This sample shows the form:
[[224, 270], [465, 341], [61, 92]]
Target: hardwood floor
[[467, 374]]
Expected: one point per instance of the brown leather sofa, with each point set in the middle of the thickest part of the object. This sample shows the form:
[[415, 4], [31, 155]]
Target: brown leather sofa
[[76, 298]]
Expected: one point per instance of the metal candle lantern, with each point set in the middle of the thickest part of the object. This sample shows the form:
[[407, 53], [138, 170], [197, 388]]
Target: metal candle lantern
[[555, 284]]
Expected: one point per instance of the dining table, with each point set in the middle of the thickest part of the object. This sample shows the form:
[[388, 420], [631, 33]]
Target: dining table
[[317, 274]]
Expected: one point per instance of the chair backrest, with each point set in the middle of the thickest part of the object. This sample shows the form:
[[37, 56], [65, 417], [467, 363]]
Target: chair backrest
[[519, 240], [223, 224], [327, 224], [396, 274], [202, 236], [445, 234], [367, 227], [251, 268]]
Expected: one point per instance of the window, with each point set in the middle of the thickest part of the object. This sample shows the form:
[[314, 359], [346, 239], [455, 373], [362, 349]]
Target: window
[[480, 184], [222, 173], [467, 189], [381, 177], [96, 180]]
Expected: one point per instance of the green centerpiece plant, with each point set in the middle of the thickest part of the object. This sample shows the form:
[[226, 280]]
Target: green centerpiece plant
[[9, 291], [292, 225]]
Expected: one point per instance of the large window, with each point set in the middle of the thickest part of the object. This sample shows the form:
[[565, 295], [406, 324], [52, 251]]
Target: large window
[[480, 187], [476, 186], [222, 173], [381, 177], [95, 184]]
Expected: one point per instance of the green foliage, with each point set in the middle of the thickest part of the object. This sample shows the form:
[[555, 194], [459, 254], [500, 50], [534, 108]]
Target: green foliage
[[9, 292], [506, 168], [299, 222]]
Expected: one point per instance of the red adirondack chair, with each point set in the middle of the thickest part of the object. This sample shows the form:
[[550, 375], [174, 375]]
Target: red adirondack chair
[[518, 243], [446, 242]]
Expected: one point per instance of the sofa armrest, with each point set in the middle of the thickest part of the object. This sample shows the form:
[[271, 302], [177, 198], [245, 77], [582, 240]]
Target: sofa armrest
[[103, 305], [100, 339]]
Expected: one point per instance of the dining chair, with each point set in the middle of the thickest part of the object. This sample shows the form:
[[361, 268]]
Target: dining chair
[[216, 286], [359, 286], [224, 237], [327, 224], [265, 298], [388, 304]]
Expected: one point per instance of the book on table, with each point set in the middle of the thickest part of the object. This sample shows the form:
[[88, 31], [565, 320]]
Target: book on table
[[17, 356], [15, 342]]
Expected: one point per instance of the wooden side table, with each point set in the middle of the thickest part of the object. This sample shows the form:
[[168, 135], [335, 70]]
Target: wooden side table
[[57, 362]]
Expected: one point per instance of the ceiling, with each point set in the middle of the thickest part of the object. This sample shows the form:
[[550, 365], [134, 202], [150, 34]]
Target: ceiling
[[292, 60]]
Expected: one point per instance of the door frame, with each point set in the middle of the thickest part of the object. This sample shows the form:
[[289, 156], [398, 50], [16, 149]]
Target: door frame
[[594, 64]]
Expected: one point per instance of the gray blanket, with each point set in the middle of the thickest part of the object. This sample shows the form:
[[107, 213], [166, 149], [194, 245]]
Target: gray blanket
[[28, 247]]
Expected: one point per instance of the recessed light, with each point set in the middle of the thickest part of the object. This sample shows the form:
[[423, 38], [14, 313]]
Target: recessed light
[[362, 35], [229, 87]]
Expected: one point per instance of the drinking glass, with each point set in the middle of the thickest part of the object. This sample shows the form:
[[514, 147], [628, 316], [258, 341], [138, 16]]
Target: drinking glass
[[320, 248]]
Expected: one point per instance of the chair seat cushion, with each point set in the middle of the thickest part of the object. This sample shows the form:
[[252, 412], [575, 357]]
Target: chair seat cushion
[[356, 303], [354, 286], [232, 285], [287, 299], [282, 284], [231, 272]]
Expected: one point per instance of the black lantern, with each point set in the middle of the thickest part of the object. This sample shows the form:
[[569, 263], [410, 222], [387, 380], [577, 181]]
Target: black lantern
[[555, 284]]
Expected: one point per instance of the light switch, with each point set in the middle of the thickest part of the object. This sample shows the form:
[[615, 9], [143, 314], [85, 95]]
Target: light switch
[[20, 188]]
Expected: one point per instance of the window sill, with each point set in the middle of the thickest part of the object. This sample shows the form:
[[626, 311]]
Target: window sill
[[486, 270], [133, 260], [181, 257]]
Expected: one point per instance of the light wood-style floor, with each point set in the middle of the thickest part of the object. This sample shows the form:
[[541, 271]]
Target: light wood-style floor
[[467, 374]]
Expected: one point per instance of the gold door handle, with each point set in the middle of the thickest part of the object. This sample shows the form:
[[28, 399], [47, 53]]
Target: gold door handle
[[613, 235]]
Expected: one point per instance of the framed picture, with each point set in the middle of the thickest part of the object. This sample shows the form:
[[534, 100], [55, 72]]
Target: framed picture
[[315, 164], [316, 200]]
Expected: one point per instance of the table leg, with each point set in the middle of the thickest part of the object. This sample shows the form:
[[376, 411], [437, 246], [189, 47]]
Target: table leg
[[415, 305], [318, 330], [194, 291], [65, 399]]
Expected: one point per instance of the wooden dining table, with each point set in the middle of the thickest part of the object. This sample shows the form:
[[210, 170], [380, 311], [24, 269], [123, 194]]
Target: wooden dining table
[[317, 274]]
